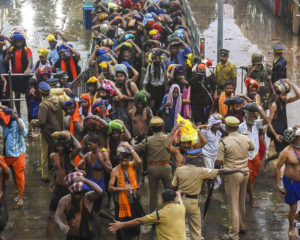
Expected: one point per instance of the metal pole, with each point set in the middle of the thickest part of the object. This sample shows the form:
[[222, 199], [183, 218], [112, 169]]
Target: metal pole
[[220, 28], [11, 102]]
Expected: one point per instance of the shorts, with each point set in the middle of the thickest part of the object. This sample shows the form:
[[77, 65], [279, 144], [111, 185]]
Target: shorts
[[292, 191], [59, 192], [20, 84], [97, 203], [279, 146]]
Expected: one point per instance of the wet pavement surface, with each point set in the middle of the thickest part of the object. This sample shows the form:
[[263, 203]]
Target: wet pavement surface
[[248, 28]]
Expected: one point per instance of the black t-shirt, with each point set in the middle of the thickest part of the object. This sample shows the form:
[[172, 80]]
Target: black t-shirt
[[201, 91]]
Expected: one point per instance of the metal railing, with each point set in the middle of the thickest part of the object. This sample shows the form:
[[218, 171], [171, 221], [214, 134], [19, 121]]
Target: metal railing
[[196, 37]]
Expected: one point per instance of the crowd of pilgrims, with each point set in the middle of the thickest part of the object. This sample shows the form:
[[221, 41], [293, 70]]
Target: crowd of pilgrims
[[151, 105]]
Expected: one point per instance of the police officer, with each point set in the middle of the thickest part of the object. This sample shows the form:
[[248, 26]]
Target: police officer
[[233, 153], [158, 159], [262, 75], [225, 71], [279, 64], [188, 180]]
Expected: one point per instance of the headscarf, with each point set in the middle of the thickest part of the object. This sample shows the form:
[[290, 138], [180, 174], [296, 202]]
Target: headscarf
[[69, 179], [251, 83], [108, 87], [214, 119], [115, 125], [120, 68], [76, 187], [87, 97], [43, 51], [143, 96], [5, 116], [178, 101], [51, 38]]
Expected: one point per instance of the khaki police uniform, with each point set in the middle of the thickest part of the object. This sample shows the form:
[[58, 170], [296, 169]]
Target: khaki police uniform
[[188, 179], [233, 151], [158, 159], [170, 222]]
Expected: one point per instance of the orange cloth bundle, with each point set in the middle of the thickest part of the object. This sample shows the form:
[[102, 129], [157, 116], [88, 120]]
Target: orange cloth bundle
[[124, 206]]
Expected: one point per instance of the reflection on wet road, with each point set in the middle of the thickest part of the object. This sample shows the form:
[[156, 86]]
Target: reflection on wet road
[[248, 28]]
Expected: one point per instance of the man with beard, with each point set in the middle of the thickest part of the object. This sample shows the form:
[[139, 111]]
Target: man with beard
[[66, 148], [278, 114], [155, 77], [187, 135], [77, 207], [128, 90], [21, 58], [219, 104], [158, 159], [68, 61], [251, 127], [123, 182], [203, 92], [138, 119], [225, 71], [235, 105], [291, 179], [262, 75]]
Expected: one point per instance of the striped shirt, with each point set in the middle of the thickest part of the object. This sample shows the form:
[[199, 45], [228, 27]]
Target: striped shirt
[[14, 139]]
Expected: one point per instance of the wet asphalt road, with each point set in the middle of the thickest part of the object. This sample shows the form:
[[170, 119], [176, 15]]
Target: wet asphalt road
[[248, 28]]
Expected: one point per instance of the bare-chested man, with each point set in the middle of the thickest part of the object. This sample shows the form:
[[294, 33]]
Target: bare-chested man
[[185, 144], [97, 164], [139, 121], [62, 163], [77, 207], [290, 156]]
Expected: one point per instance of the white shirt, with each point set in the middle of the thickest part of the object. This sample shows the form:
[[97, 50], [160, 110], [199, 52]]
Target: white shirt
[[210, 149], [254, 136]]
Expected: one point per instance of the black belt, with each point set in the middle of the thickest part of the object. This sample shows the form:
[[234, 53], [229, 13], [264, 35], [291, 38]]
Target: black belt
[[189, 196]]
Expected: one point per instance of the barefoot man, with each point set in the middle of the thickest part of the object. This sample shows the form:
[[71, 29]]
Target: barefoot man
[[290, 156]]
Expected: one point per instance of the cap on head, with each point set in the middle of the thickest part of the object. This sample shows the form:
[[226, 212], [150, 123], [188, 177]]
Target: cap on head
[[224, 52], [44, 87], [156, 121], [201, 66], [278, 48], [232, 121], [76, 187], [168, 195]]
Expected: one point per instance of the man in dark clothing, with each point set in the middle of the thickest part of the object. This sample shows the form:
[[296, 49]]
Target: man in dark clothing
[[279, 64], [203, 90], [3, 69], [278, 114], [68, 61]]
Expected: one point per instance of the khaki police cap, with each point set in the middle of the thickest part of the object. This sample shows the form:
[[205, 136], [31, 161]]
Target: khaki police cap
[[232, 121], [156, 121]]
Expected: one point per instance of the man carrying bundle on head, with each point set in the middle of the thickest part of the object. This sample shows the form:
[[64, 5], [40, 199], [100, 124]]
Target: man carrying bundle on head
[[66, 148]]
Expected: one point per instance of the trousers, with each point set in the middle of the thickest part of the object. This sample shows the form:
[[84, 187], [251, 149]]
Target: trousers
[[193, 217], [236, 187], [44, 156], [18, 165], [156, 174]]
